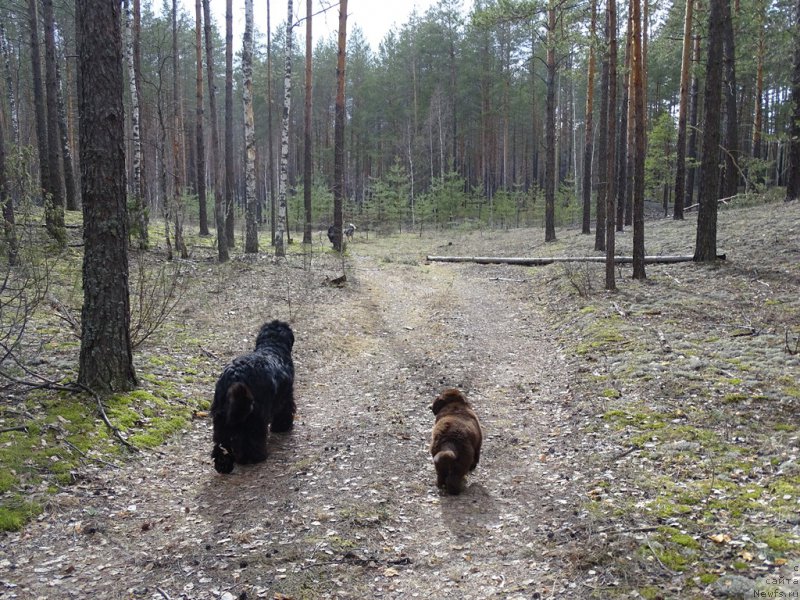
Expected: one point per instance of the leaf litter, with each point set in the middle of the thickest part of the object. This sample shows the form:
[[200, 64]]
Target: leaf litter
[[637, 444]]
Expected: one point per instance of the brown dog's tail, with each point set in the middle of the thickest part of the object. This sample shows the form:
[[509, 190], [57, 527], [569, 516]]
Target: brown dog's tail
[[240, 402], [444, 458]]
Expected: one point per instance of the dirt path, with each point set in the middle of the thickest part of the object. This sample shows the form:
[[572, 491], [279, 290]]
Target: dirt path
[[345, 506]]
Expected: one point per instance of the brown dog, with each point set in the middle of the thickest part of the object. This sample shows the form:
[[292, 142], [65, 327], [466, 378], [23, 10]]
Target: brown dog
[[455, 441]]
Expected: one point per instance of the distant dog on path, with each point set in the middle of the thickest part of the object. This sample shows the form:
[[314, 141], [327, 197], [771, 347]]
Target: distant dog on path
[[254, 392], [455, 441]]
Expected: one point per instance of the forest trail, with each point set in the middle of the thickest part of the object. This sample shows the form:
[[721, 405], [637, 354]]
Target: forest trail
[[346, 504]]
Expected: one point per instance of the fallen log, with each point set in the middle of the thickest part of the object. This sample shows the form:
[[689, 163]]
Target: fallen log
[[535, 262]]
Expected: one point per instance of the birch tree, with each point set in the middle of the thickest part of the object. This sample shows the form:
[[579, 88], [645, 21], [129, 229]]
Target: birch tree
[[55, 186], [9, 227], [251, 229], [283, 183], [683, 106], [139, 212]]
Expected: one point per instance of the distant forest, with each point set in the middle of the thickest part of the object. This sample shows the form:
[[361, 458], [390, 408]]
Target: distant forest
[[456, 118]]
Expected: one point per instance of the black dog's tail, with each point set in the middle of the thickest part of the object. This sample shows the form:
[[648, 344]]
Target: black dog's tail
[[240, 402]]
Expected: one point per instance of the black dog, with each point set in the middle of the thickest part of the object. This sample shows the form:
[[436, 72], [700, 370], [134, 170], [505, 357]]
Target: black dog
[[254, 392], [347, 231]]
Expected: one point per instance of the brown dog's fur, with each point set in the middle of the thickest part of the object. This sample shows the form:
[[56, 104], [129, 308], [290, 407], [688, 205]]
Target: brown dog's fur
[[455, 441]]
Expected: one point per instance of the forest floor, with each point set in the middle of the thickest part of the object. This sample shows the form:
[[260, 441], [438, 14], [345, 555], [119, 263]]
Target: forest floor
[[640, 444]]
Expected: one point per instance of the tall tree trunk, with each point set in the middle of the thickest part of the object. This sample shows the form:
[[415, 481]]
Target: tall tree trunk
[[622, 137], [70, 185], [280, 249], [54, 228], [106, 361], [611, 117], [9, 226], [139, 217], [588, 148], [5, 51], [307, 166], [338, 130], [730, 182], [694, 104], [213, 155], [706, 244], [550, 127], [683, 105], [603, 144], [200, 166], [53, 140], [793, 172], [137, 67], [758, 115], [273, 196], [229, 174], [637, 82], [177, 141], [251, 226]]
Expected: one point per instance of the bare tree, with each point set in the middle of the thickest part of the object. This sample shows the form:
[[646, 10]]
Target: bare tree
[[9, 227], [637, 95], [219, 207], [683, 106], [273, 196], [307, 166], [106, 362], [588, 148], [55, 187], [730, 176], [280, 226], [251, 227], [229, 176], [338, 132], [611, 117], [177, 140], [139, 216], [70, 185], [550, 126], [793, 176], [199, 111]]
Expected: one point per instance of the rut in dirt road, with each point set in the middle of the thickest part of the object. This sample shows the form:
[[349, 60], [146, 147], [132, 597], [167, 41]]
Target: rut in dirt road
[[346, 505]]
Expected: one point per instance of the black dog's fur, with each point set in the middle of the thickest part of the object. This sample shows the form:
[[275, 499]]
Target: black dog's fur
[[254, 392], [455, 441]]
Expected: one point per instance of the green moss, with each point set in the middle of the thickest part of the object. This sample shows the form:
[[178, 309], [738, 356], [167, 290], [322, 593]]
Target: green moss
[[777, 542], [15, 512], [784, 427], [734, 397], [672, 559], [708, 578], [611, 393], [650, 593]]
